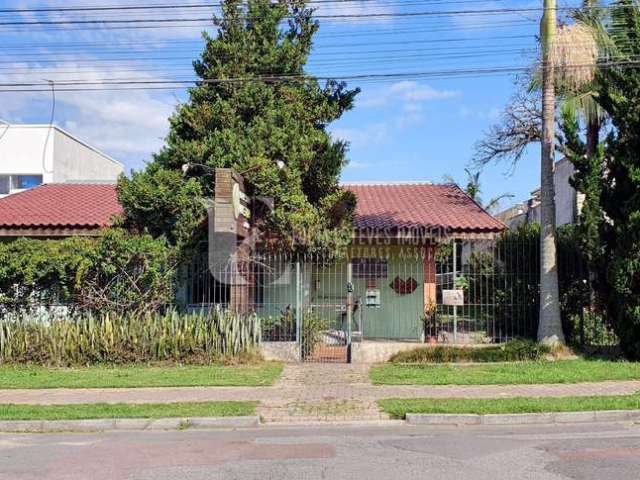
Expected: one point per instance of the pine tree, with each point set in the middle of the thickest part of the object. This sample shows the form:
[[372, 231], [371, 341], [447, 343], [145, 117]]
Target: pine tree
[[255, 109], [620, 97]]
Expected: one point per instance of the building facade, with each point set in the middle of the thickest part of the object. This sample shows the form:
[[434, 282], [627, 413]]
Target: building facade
[[31, 155], [568, 201]]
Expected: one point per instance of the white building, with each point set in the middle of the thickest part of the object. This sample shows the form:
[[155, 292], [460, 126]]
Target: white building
[[34, 154], [568, 201]]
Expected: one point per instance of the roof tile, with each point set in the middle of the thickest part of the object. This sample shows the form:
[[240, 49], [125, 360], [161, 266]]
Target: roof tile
[[58, 205], [423, 205]]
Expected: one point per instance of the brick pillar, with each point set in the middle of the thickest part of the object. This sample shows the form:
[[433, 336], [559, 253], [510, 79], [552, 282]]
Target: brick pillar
[[240, 276]]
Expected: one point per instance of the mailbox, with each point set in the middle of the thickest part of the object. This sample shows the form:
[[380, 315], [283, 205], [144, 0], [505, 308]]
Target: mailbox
[[373, 298]]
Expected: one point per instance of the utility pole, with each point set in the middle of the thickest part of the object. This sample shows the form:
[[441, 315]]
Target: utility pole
[[550, 326]]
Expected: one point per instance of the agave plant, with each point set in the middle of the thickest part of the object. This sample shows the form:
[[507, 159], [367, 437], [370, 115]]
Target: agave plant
[[202, 336]]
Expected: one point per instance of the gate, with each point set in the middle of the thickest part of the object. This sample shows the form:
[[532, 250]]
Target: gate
[[326, 311], [304, 305]]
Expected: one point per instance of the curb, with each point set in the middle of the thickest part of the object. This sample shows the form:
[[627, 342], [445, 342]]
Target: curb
[[106, 425], [523, 418]]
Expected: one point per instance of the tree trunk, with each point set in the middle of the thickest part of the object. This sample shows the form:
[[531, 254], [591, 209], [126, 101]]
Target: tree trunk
[[550, 326]]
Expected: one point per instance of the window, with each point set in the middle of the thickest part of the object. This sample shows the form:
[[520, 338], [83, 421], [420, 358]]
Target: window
[[370, 267], [22, 182], [5, 183]]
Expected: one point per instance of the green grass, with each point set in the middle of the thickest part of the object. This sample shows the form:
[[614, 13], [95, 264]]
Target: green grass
[[561, 371], [123, 410], [261, 374], [398, 408]]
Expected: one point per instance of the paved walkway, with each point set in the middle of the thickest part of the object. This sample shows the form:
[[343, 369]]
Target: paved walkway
[[308, 392]]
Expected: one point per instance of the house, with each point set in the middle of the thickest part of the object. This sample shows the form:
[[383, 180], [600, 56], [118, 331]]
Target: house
[[403, 262], [396, 286], [568, 201], [57, 210], [31, 155]]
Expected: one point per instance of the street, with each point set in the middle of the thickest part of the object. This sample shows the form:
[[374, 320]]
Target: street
[[594, 451]]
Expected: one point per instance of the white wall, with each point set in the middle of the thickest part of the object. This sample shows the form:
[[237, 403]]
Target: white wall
[[565, 194], [568, 201], [77, 161], [24, 149]]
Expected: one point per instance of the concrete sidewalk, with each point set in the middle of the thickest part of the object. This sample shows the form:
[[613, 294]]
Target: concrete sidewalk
[[313, 392]]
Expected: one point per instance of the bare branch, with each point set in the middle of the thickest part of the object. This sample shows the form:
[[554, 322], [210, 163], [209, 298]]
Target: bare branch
[[520, 125]]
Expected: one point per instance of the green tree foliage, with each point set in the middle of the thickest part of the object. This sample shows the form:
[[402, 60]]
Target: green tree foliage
[[619, 96], [160, 202], [116, 272], [587, 179], [253, 109], [45, 271]]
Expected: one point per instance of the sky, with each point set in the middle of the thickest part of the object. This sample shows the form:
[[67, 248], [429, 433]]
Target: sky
[[417, 119]]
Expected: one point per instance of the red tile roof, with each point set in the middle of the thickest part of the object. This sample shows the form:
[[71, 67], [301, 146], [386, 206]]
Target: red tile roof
[[423, 205], [57, 205], [380, 206]]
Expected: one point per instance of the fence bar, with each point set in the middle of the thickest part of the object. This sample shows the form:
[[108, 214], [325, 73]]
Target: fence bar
[[299, 310]]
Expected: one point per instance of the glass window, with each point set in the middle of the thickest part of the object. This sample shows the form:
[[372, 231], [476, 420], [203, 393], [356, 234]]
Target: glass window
[[4, 184], [21, 182], [370, 267]]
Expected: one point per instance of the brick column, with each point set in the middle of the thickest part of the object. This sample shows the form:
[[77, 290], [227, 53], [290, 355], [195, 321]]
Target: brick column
[[240, 277]]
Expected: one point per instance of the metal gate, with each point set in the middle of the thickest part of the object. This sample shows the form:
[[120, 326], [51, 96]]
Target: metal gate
[[305, 305], [326, 306]]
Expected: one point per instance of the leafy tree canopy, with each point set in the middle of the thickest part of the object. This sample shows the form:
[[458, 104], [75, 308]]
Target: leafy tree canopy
[[619, 96], [254, 109]]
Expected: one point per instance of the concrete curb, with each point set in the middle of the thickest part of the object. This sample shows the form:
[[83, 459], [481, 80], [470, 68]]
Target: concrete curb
[[105, 425], [524, 418]]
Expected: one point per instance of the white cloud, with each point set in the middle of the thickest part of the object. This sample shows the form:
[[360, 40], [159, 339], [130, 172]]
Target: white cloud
[[486, 21], [492, 114], [357, 165], [163, 33], [355, 11], [410, 94], [368, 136], [127, 124], [413, 91]]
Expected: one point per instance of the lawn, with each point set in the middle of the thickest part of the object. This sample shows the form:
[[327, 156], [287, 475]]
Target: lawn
[[261, 374], [123, 410], [398, 408], [561, 371]]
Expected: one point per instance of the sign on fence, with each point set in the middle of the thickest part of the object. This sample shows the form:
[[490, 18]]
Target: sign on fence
[[453, 297]]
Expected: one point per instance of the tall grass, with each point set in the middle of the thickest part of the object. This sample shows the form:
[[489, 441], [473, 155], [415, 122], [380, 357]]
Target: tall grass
[[200, 337]]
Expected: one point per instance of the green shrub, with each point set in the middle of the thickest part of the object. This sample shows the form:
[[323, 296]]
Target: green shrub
[[115, 272], [112, 338], [312, 327], [279, 328], [515, 350]]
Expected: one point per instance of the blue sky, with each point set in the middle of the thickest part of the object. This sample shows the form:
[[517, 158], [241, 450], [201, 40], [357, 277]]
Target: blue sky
[[401, 128]]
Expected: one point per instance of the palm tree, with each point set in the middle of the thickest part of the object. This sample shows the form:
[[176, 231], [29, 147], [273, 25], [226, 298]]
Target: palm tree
[[474, 190], [568, 64], [583, 42], [550, 326]]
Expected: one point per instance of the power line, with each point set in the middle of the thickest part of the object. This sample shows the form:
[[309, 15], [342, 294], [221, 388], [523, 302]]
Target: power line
[[431, 13], [104, 8], [64, 86]]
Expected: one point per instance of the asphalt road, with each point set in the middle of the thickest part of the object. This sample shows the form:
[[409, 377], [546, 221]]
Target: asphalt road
[[371, 453]]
